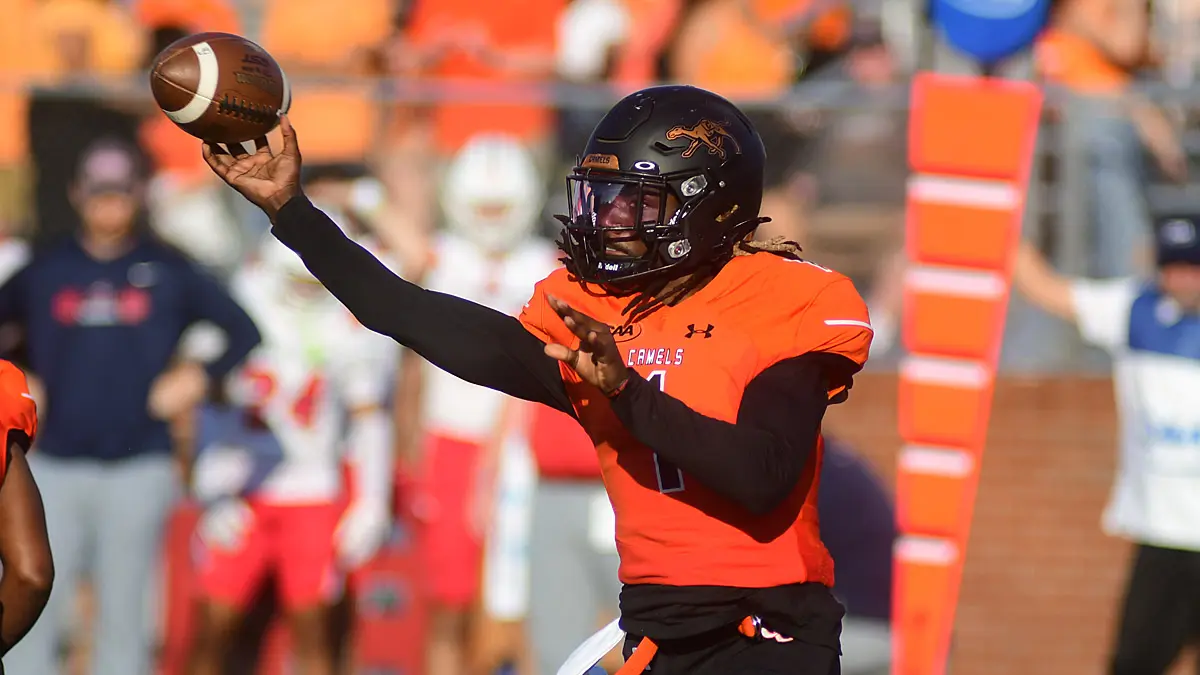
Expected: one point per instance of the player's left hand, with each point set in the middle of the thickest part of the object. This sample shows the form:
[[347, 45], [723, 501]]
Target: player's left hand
[[597, 360], [362, 531]]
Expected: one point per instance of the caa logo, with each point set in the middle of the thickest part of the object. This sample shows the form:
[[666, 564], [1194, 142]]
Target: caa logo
[[625, 333]]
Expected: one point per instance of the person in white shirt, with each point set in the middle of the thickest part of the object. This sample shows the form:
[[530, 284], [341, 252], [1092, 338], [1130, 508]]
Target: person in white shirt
[[1151, 327], [309, 403], [476, 471]]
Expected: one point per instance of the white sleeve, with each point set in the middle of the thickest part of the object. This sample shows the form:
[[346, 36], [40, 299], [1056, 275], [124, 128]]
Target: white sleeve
[[1102, 310]]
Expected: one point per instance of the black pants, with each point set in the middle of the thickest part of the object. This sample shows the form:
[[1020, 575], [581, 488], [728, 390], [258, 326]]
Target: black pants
[[1161, 611], [727, 652]]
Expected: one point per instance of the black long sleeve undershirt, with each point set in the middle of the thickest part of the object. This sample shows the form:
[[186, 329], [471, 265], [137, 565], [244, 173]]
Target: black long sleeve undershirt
[[467, 340], [755, 461]]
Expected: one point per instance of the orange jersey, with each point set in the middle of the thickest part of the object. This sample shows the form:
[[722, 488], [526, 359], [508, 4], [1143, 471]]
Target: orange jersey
[[18, 412], [760, 310]]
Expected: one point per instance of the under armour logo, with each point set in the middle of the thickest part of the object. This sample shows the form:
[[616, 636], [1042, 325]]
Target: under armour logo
[[692, 330]]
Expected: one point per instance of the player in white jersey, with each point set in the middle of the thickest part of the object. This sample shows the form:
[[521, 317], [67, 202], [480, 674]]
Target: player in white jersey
[[271, 465], [1151, 327], [491, 200]]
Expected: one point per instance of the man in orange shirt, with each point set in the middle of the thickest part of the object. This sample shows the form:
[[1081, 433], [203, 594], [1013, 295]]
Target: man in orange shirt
[[700, 364], [24, 544]]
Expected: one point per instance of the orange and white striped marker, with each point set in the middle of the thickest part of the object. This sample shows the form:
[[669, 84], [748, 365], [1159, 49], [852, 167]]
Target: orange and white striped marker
[[971, 143]]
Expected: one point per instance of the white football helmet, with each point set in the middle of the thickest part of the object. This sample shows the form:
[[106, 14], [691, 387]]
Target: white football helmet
[[492, 193]]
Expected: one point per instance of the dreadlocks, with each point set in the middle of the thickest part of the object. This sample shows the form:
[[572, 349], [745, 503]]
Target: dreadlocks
[[648, 299], [779, 246]]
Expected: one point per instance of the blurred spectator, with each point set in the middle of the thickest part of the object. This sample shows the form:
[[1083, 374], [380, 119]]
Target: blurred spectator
[[321, 39], [73, 42], [591, 36], [1093, 48], [857, 168], [78, 39], [638, 62], [861, 154], [573, 542], [1152, 329], [489, 48], [345, 124], [754, 50], [614, 41], [102, 313], [187, 16], [270, 463], [491, 197], [858, 526]]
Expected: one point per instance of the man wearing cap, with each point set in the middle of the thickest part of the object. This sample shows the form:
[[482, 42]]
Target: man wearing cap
[[102, 313], [1152, 330]]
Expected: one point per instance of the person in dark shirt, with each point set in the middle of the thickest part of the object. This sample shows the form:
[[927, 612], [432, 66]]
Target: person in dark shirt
[[102, 314], [858, 526], [699, 361]]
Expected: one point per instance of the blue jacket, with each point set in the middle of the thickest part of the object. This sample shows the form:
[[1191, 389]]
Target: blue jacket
[[99, 332]]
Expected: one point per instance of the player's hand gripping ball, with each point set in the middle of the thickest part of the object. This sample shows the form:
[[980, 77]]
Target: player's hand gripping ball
[[220, 88], [267, 179], [597, 359]]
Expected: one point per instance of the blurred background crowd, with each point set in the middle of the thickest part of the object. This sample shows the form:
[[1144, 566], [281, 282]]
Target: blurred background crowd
[[389, 93]]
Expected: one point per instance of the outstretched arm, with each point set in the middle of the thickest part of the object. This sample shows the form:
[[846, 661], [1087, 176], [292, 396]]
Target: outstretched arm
[[467, 340], [470, 341], [1041, 284]]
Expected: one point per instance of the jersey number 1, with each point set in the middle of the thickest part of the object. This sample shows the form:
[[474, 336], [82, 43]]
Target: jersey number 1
[[670, 477]]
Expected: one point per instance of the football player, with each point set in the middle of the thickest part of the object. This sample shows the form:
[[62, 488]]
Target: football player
[[24, 544], [491, 197], [706, 413], [270, 465]]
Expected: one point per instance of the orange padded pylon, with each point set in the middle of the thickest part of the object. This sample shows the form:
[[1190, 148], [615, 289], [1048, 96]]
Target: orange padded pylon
[[944, 402], [925, 590], [971, 145], [973, 127], [933, 488], [954, 313], [963, 223]]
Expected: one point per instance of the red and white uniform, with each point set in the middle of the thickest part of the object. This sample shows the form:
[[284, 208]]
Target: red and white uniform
[[491, 197], [474, 433], [290, 516]]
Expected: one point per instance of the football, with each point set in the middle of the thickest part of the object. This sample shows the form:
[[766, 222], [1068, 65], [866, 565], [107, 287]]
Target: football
[[220, 88]]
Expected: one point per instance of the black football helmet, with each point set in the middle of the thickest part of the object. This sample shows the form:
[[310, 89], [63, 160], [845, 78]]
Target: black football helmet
[[679, 169]]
